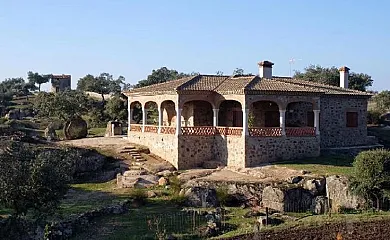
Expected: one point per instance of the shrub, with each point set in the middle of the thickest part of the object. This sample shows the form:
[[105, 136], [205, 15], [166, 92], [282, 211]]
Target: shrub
[[371, 177], [175, 184], [2, 120], [222, 195], [138, 195], [373, 117], [179, 199]]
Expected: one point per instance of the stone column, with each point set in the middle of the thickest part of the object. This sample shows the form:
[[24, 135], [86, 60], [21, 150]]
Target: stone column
[[129, 115], [160, 119], [245, 113], [178, 121], [143, 118], [282, 121], [215, 117], [317, 121]]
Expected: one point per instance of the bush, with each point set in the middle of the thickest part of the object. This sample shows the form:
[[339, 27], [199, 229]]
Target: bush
[[138, 195], [175, 184], [373, 117], [371, 177], [222, 195], [2, 120], [178, 199]]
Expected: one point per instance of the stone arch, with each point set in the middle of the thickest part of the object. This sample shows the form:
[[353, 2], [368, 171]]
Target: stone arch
[[264, 113], [230, 113], [300, 114], [197, 113], [151, 109], [168, 112], [136, 108]]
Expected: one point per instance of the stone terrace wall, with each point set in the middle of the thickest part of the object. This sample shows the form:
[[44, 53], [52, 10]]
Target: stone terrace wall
[[229, 150], [333, 130], [194, 150], [262, 150], [163, 145]]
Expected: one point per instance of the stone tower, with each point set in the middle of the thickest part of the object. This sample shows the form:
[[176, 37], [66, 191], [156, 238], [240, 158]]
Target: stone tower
[[60, 83]]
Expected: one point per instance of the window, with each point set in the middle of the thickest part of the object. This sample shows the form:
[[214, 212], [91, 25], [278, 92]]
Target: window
[[352, 119]]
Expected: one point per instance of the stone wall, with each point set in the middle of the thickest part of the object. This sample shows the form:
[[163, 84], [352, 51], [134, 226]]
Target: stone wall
[[230, 150], [263, 150], [163, 145], [194, 150], [333, 129]]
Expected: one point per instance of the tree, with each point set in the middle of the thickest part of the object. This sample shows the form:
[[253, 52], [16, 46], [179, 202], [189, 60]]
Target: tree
[[371, 178], [162, 75], [65, 105], [331, 76], [116, 108], [33, 179], [219, 73], [36, 78], [102, 84], [238, 71], [382, 101]]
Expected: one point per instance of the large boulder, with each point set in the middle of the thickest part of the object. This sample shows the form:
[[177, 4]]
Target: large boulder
[[201, 197], [287, 198], [13, 114], [136, 179], [340, 194], [315, 186], [75, 129]]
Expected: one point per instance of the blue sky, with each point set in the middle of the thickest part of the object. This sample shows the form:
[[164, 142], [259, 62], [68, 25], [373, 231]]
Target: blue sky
[[130, 38]]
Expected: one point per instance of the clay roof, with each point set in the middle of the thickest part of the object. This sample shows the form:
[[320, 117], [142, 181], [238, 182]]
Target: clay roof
[[246, 84]]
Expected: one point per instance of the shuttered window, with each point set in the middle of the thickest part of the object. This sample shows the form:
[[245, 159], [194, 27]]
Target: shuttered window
[[352, 119]]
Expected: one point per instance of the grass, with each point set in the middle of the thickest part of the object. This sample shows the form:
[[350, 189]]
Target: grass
[[324, 165]]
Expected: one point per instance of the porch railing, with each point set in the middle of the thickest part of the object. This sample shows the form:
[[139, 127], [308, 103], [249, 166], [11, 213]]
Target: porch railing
[[151, 128], [168, 130], [300, 131], [136, 127], [198, 131], [226, 131], [265, 132]]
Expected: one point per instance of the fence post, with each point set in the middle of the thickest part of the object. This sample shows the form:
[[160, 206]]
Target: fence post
[[266, 216]]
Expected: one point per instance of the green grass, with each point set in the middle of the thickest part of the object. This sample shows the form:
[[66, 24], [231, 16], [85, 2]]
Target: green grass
[[324, 165], [96, 132]]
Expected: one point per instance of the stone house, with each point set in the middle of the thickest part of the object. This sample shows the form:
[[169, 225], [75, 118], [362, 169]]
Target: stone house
[[245, 121], [60, 83]]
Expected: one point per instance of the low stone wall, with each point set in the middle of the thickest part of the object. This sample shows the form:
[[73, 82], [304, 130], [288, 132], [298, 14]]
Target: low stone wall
[[263, 150], [194, 150], [229, 150], [163, 145]]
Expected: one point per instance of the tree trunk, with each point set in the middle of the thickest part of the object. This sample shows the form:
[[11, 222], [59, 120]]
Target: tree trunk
[[39, 87]]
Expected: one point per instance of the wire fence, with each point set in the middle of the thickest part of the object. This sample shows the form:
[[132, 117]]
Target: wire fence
[[183, 223]]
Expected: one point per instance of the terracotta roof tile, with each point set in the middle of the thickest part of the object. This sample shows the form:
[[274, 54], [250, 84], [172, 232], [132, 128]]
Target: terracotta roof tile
[[203, 83], [248, 84], [327, 89]]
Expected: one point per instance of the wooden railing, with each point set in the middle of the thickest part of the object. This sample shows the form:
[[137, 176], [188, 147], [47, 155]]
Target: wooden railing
[[136, 127], [168, 130], [226, 131], [265, 132], [300, 131], [151, 128], [198, 131]]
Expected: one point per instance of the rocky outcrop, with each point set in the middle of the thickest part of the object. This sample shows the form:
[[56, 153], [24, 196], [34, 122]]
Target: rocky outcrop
[[50, 133], [136, 179], [201, 197], [340, 194], [287, 198]]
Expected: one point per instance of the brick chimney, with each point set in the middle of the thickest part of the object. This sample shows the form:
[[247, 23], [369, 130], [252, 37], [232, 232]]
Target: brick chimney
[[265, 69], [344, 74]]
